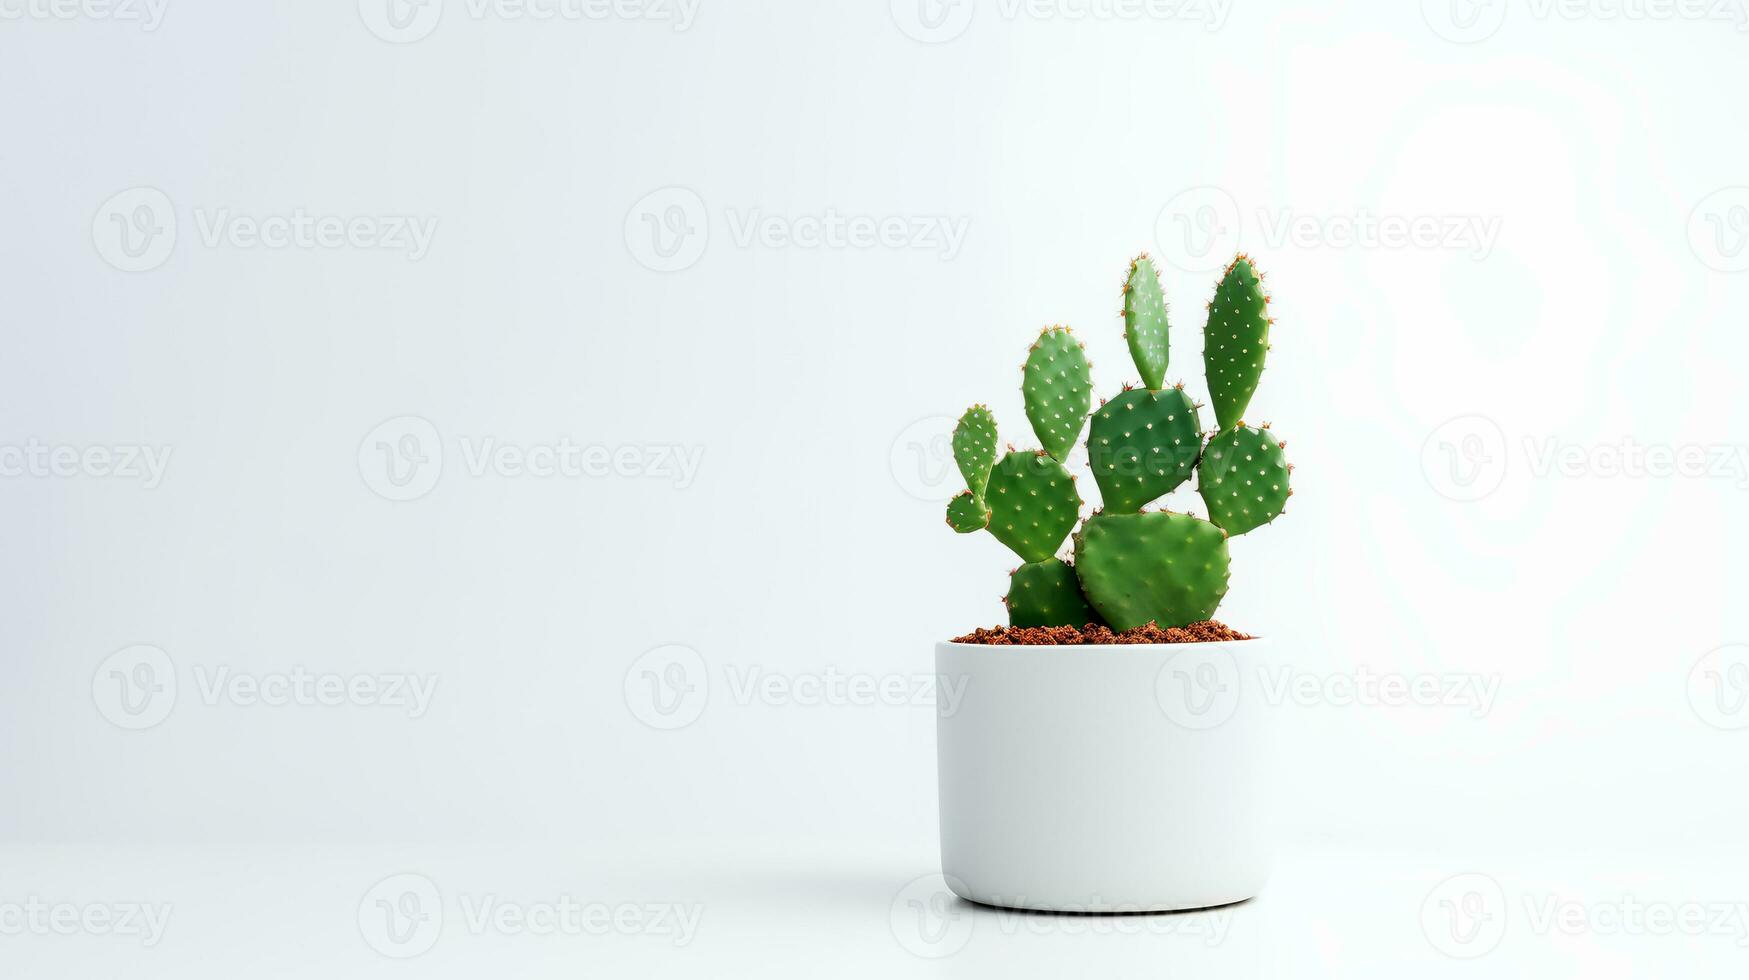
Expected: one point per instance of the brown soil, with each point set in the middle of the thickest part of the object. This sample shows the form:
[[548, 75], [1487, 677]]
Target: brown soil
[[1207, 631]]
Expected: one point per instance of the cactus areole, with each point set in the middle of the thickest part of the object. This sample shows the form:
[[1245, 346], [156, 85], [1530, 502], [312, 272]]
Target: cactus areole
[[1131, 567]]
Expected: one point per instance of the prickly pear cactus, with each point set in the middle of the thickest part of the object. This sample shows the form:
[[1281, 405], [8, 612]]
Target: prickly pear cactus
[[1243, 478], [1131, 567], [1058, 390], [1141, 445], [1235, 341], [1169, 569], [1144, 322], [1047, 593]]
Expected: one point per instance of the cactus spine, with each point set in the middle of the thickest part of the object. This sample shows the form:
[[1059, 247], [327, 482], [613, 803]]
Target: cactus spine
[[1131, 567]]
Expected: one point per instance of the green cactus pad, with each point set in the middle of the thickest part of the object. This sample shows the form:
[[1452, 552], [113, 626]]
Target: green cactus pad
[[974, 447], [1243, 478], [1168, 568], [1046, 593], [1058, 390], [1144, 322], [1235, 341], [1033, 504], [1141, 445], [966, 513]]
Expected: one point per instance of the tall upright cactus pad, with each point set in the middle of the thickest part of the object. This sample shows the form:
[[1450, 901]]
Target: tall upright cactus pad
[[1243, 478], [1142, 445], [1169, 569], [1144, 322], [1235, 341], [967, 513], [974, 447], [1033, 504], [1058, 390], [1046, 593]]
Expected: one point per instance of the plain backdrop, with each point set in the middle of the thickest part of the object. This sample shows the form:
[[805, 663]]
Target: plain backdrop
[[790, 242]]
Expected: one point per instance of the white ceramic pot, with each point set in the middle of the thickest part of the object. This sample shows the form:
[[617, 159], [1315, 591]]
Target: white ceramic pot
[[1103, 778]]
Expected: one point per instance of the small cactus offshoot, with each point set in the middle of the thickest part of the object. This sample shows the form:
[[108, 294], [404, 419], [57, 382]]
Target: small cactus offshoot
[[1130, 567]]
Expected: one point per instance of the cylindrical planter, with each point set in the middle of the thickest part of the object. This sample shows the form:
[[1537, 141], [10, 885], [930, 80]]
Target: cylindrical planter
[[1103, 778]]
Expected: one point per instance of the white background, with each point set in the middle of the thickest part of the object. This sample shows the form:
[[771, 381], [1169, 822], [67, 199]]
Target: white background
[[1520, 442]]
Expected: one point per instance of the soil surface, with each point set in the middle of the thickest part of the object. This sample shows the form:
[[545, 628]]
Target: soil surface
[[1093, 634]]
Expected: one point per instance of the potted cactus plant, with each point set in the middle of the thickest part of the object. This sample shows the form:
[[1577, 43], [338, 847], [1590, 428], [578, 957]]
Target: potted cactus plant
[[1105, 756]]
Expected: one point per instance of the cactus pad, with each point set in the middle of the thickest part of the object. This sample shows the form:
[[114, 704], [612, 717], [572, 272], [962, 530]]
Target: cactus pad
[[966, 513], [1046, 593], [1141, 445], [1235, 341], [1144, 322], [1033, 504], [1168, 568], [1243, 478], [1058, 390], [974, 447]]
